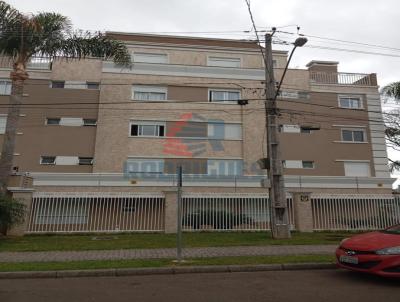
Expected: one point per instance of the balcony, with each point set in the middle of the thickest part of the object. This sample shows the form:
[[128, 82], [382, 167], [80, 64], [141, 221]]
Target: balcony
[[342, 78]]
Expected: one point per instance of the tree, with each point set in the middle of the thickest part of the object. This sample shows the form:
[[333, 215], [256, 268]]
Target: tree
[[47, 35], [12, 212], [392, 122]]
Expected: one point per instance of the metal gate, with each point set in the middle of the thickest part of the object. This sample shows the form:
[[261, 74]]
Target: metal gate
[[228, 212], [96, 213]]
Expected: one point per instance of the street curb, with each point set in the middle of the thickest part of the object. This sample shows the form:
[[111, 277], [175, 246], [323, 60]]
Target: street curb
[[166, 270]]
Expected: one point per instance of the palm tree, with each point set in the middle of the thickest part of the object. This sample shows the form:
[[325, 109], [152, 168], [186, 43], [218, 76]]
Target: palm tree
[[392, 122], [44, 35], [392, 90]]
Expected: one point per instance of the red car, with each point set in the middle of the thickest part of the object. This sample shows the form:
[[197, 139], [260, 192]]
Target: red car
[[376, 252]]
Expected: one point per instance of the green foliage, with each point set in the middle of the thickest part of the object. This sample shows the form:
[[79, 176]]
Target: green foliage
[[12, 212], [392, 90], [50, 35]]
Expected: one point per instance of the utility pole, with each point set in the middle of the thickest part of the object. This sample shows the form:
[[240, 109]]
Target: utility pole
[[179, 215], [279, 218]]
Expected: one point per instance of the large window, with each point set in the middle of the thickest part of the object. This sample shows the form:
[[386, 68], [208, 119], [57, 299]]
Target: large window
[[149, 93], [141, 57], [350, 102], [223, 62], [5, 87], [225, 167], [224, 131], [141, 165], [224, 96], [147, 129], [353, 135], [354, 168]]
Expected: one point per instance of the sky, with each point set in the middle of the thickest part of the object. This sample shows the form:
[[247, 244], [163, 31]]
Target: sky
[[375, 23]]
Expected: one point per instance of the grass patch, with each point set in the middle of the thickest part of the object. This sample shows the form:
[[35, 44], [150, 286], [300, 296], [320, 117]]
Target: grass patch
[[105, 264], [141, 241]]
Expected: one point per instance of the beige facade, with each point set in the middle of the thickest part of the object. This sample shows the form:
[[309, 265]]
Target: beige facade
[[344, 152]]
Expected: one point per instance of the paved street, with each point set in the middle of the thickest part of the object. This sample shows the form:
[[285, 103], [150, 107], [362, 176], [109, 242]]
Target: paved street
[[167, 253], [309, 286]]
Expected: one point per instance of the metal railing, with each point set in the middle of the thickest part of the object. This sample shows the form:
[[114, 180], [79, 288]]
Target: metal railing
[[354, 212], [85, 214], [228, 212], [342, 78]]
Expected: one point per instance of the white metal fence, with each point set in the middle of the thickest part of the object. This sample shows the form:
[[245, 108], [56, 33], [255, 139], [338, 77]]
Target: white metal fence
[[74, 214], [354, 212], [228, 212]]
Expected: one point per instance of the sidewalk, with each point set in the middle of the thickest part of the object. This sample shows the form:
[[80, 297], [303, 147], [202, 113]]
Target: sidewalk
[[272, 250]]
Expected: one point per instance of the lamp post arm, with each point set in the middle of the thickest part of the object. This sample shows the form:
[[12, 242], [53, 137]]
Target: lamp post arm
[[284, 72]]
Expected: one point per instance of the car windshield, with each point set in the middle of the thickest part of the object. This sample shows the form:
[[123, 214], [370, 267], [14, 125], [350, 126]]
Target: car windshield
[[393, 230]]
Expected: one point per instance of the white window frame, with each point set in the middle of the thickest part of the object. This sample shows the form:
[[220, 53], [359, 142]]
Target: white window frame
[[148, 123], [149, 89], [211, 90], [352, 135], [150, 55], [344, 96], [6, 86], [213, 61]]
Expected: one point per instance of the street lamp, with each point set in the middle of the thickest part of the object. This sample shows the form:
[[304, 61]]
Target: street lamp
[[300, 41]]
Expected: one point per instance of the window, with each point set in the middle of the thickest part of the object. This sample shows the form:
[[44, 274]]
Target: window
[[149, 93], [356, 168], [89, 122], [3, 123], [92, 85], [224, 131], [85, 161], [142, 165], [226, 167], [57, 84], [53, 121], [155, 58], [147, 129], [47, 160], [353, 135], [5, 87], [290, 128], [298, 164], [307, 164], [350, 102], [224, 96], [223, 62]]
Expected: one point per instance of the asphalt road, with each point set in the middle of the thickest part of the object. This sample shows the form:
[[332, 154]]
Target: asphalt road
[[309, 286]]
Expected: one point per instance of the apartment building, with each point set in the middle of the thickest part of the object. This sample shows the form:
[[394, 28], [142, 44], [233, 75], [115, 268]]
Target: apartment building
[[91, 127]]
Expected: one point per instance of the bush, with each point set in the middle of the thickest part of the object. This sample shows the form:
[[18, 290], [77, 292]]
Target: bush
[[12, 212]]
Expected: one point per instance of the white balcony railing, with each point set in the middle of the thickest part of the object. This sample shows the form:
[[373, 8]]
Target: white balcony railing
[[343, 78]]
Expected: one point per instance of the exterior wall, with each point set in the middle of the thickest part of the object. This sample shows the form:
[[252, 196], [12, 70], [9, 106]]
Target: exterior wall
[[188, 80]]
